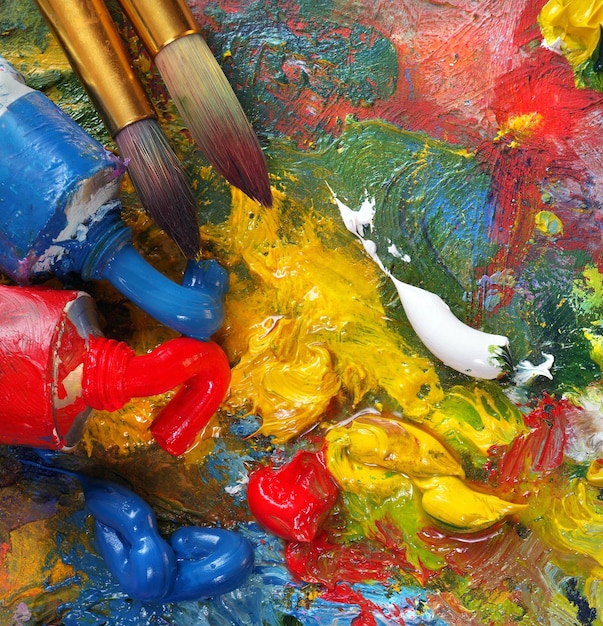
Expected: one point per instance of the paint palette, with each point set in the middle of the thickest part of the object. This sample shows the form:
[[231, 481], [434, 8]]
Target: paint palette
[[469, 155]]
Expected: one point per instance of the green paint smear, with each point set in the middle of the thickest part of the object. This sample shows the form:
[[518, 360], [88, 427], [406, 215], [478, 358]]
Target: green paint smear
[[22, 29], [543, 317], [393, 520], [431, 203], [587, 77], [476, 416]]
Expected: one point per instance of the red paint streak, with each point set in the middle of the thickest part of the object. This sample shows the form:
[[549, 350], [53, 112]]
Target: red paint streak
[[346, 595], [449, 59], [535, 454], [327, 563], [4, 549], [458, 547]]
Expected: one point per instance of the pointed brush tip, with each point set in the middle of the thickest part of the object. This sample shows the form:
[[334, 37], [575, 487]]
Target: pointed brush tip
[[255, 186], [190, 249], [214, 116], [266, 200], [161, 183]]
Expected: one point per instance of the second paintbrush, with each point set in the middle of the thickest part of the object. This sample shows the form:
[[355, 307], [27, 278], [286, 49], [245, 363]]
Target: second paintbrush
[[201, 92], [85, 30]]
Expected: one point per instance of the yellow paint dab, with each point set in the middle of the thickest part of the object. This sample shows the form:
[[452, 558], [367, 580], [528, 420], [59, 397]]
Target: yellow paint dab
[[518, 128], [396, 445], [548, 224], [453, 503], [572, 27], [594, 474], [304, 321]]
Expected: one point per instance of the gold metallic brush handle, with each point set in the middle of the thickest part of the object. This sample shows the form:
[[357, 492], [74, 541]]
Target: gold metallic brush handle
[[159, 22], [97, 55]]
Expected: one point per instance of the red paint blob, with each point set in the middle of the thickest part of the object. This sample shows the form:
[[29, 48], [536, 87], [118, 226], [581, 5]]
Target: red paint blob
[[294, 500]]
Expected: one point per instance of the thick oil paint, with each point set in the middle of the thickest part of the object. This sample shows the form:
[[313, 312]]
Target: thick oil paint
[[55, 367], [481, 149]]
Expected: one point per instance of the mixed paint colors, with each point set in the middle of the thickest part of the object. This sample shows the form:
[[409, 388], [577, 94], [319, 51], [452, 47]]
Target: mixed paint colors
[[376, 483]]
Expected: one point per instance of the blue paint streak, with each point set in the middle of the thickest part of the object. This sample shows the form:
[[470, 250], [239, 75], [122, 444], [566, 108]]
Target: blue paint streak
[[411, 89]]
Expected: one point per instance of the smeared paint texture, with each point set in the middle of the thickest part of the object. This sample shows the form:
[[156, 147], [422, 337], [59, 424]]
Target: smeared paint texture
[[482, 151], [308, 58], [323, 308]]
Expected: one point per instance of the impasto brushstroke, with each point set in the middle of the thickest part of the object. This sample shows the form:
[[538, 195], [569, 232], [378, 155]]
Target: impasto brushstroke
[[376, 484]]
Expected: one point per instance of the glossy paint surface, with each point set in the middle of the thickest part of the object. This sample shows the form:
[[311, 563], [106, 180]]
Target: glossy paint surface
[[458, 500]]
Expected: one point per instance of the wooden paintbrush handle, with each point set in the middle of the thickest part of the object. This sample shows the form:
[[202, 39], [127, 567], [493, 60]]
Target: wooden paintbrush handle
[[159, 22], [97, 54]]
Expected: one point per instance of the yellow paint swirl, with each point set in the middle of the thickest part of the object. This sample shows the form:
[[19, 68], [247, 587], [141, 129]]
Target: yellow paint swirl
[[383, 456], [305, 323], [296, 381], [377, 440], [574, 26], [572, 526]]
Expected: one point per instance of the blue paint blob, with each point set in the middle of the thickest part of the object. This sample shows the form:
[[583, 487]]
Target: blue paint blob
[[196, 563]]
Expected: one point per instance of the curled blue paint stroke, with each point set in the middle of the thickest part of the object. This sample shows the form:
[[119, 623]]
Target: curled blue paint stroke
[[196, 563], [195, 308]]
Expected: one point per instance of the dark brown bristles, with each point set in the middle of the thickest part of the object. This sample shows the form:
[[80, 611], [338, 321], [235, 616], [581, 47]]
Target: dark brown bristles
[[96, 52], [161, 183]]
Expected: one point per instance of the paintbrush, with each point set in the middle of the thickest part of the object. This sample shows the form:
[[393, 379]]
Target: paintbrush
[[97, 54], [201, 92]]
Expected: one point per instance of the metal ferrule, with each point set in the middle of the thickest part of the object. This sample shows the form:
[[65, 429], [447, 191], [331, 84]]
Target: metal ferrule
[[97, 54], [159, 22]]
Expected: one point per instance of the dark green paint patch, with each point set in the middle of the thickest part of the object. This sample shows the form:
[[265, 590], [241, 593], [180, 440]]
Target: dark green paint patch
[[22, 29], [542, 319], [300, 54]]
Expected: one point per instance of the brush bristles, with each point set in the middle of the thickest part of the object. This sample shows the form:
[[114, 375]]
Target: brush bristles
[[161, 183], [214, 116]]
